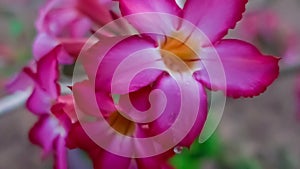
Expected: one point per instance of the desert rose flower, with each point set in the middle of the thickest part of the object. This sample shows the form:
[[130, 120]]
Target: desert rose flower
[[78, 137], [176, 49], [180, 51], [67, 23], [247, 71]]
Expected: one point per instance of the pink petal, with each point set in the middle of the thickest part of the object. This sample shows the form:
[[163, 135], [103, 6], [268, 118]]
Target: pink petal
[[68, 48], [152, 16], [47, 74], [248, 72], [42, 133], [60, 154], [164, 6], [101, 158], [60, 17], [87, 100], [20, 82], [214, 17], [98, 11], [158, 162], [46, 88], [39, 102], [172, 110], [48, 134], [124, 61]]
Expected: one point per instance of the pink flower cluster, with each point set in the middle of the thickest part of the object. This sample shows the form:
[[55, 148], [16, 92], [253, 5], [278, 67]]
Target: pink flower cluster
[[162, 42]]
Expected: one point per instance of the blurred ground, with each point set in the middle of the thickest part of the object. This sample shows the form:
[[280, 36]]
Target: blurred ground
[[16, 152], [265, 127]]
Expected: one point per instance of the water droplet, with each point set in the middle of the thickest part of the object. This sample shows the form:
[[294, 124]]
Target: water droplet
[[178, 149]]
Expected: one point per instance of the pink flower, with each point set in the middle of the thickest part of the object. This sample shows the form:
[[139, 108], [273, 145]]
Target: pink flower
[[79, 138], [103, 159], [247, 71], [51, 130], [42, 77], [73, 18], [66, 24], [166, 41]]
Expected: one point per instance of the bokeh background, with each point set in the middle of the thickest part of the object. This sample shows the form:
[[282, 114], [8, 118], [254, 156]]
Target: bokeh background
[[256, 133]]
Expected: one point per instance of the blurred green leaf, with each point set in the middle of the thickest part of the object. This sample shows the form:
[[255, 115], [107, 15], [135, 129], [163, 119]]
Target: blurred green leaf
[[193, 158], [247, 164], [16, 27]]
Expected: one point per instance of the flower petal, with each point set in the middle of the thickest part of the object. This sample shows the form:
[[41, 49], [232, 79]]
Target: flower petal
[[87, 100], [39, 102], [42, 133], [163, 6], [173, 108], [214, 17], [248, 73], [129, 57], [158, 162], [68, 48], [61, 17], [152, 16], [60, 154], [98, 11], [101, 159]]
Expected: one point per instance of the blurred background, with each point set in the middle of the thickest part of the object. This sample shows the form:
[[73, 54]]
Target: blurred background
[[256, 133]]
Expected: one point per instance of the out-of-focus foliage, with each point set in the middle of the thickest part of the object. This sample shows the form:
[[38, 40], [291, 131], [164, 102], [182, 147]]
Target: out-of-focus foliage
[[212, 152]]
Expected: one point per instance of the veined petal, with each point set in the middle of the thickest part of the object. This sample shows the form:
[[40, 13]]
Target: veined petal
[[247, 71], [214, 17]]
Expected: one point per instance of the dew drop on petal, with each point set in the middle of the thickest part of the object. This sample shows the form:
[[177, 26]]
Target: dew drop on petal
[[178, 149]]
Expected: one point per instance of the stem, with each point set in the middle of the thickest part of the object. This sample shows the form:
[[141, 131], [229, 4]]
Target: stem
[[16, 100], [13, 102]]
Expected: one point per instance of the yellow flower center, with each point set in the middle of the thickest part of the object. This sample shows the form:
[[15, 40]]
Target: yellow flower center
[[177, 55], [121, 124]]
